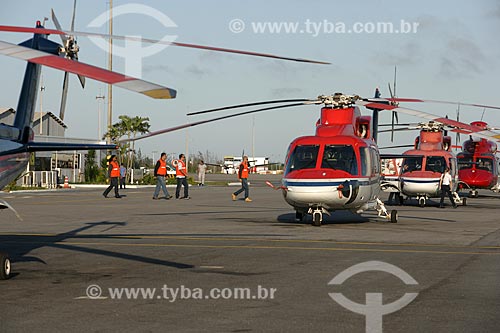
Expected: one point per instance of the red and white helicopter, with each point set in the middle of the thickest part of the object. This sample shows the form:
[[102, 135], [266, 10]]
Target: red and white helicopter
[[478, 163]]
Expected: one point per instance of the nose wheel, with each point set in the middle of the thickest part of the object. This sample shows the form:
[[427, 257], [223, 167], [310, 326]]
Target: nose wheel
[[421, 201], [317, 218], [4, 266]]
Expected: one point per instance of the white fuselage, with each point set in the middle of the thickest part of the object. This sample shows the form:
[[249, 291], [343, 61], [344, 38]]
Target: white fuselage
[[305, 193]]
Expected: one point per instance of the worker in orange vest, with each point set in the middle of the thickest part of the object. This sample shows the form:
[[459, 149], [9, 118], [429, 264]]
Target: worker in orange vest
[[181, 175], [114, 176], [160, 173], [243, 177]]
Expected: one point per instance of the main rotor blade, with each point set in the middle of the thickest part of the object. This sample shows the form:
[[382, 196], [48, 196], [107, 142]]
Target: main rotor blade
[[58, 26], [399, 129], [64, 96], [462, 127], [250, 104], [176, 128], [400, 146], [72, 27], [155, 41], [416, 100], [126, 82]]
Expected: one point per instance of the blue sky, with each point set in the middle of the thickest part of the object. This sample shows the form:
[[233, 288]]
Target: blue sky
[[454, 55]]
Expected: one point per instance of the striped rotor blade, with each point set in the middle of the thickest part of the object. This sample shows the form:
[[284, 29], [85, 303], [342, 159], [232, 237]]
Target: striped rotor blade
[[155, 41], [176, 128], [126, 82], [44, 31], [462, 127]]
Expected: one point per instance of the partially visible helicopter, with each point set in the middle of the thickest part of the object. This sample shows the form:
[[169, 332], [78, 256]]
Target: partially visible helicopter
[[478, 163]]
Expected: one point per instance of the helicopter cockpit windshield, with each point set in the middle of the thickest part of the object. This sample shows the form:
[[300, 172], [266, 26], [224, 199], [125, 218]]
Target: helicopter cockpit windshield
[[435, 164], [340, 157], [412, 163], [303, 157]]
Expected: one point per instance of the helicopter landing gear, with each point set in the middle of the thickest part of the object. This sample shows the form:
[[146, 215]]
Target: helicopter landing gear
[[382, 212], [421, 201], [458, 200], [317, 215], [473, 193], [317, 218], [4, 266]]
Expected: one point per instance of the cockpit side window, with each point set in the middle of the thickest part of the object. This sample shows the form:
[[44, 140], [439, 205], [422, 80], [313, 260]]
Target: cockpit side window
[[484, 164], [303, 157], [366, 161]]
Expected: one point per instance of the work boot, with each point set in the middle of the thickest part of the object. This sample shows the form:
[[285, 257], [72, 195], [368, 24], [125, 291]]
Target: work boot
[[233, 196], [248, 200]]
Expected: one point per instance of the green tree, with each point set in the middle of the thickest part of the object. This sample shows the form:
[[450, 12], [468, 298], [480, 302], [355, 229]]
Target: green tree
[[129, 127]]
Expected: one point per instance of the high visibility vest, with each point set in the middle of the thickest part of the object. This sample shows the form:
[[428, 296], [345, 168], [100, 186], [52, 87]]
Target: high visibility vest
[[180, 170], [244, 171], [115, 171], [162, 170]]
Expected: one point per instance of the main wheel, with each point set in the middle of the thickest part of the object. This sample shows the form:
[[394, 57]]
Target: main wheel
[[401, 200], [421, 202], [4, 266], [317, 219], [464, 202], [394, 216]]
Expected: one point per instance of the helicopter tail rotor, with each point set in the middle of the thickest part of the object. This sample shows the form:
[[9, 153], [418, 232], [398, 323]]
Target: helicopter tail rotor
[[70, 50]]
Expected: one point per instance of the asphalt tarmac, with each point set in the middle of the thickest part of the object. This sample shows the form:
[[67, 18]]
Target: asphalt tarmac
[[211, 264]]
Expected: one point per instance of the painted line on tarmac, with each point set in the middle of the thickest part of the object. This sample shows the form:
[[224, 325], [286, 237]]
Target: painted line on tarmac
[[260, 247], [271, 240]]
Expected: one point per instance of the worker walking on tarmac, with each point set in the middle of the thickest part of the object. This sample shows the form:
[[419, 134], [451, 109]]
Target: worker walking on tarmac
[[202, 169], [160, 173], [114, 175], [243, 177], [181, 175], [446, 184]]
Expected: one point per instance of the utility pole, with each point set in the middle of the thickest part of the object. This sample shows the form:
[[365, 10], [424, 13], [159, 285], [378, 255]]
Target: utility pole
[[42, 88], [110, 67], [99, 98]]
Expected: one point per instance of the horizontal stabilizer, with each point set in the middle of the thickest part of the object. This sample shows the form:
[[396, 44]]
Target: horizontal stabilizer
[[50, 146]]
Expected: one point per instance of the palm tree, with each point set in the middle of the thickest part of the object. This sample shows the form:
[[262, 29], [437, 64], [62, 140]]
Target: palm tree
[[129, 127]]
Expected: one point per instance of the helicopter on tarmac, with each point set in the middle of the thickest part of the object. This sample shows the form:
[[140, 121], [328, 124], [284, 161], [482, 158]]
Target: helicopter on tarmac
[[478, 163]]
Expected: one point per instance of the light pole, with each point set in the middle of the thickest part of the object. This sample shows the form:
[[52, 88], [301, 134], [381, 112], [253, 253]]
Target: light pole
[[42, 88], [99, 98]]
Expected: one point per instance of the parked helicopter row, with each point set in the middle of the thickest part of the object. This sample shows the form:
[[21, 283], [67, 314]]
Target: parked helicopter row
[[416, 173]]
